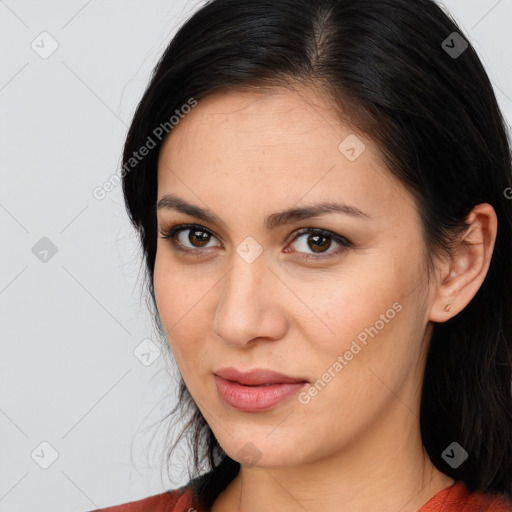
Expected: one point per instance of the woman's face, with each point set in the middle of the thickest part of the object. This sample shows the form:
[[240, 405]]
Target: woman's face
[[351, 320]]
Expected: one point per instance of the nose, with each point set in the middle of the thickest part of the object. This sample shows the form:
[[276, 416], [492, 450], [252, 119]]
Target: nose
[[249, 305]]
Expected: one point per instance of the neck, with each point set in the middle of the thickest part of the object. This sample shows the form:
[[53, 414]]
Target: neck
[[386, 469]]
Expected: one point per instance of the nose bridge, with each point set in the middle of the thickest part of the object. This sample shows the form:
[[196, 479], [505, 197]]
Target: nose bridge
[[244, 308]]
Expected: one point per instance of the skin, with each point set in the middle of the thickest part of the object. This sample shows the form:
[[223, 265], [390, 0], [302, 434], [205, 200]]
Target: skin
[[356, 445]]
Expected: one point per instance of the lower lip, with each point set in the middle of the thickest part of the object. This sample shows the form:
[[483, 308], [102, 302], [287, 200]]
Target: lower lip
[[255, 398]]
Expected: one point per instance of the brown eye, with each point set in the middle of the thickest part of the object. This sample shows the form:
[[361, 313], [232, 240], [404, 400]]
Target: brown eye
[[187, 237], [316, 241], [198, 238]]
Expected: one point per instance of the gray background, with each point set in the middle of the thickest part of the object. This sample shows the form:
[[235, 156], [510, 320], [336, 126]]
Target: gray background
[[71, 321]]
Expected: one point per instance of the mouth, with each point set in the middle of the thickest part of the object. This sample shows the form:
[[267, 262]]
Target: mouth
[[256, 390]]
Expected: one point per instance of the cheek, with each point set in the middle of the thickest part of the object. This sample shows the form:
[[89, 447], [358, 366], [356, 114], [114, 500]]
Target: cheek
[[177, 290], [178, 300], [361, 321], [340, 307], [358, 371]]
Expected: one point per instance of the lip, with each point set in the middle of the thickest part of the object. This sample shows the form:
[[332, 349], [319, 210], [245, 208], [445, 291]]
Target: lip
[[255, 390], [256, 377]]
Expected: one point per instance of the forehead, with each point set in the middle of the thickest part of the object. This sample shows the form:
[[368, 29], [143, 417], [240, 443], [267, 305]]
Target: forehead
[[295, 119], [274, 146]]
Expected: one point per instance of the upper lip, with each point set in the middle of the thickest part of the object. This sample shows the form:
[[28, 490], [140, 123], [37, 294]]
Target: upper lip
[[256, 376]]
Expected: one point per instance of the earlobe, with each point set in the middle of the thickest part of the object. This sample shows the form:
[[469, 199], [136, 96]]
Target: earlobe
[[447, 308], [463, 274]]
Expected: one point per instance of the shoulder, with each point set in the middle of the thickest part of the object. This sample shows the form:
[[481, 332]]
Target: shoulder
[[178, 500], [457, 498]]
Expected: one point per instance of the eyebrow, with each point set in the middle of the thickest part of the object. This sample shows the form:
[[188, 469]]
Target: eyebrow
[[272, 221]]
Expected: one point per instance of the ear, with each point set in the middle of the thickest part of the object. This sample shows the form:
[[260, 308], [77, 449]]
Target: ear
[[461, 275]]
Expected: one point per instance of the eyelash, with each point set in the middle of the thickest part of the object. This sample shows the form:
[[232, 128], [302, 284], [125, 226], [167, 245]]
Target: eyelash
[[171, 234]]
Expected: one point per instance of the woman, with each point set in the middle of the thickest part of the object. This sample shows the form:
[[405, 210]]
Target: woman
[[320, 189]]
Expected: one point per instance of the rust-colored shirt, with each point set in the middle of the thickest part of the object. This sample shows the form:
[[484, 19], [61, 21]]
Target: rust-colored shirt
[[455, 498]]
